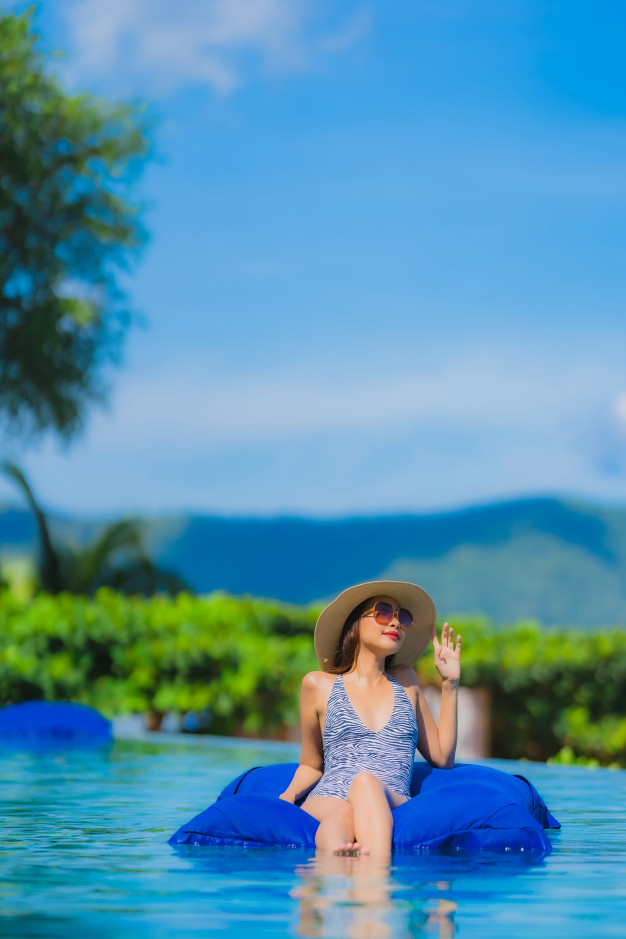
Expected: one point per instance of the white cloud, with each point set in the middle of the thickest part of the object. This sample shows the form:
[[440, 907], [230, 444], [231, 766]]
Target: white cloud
[[488, 423], [603, 437], [210, 42], [619, 410], [193, 406]]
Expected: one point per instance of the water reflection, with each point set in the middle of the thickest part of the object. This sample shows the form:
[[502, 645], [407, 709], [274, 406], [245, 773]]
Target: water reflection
[[419, 895], [360, 898]]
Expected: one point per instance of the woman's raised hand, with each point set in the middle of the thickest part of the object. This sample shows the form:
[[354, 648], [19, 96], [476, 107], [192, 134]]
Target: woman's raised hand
[[447, 657]]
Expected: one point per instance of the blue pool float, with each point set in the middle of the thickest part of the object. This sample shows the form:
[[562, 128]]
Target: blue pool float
[[53, 723], [465, 810]]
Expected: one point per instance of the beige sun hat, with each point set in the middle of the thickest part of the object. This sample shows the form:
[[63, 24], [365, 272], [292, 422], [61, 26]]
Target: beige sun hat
[[332, 619]]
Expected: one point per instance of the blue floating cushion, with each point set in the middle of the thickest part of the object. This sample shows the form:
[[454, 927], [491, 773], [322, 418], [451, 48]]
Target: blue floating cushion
[[467, 809], [250, 821], [37, 723]]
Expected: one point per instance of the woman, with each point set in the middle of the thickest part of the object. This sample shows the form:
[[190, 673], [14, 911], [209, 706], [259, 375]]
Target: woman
[[363, 714]]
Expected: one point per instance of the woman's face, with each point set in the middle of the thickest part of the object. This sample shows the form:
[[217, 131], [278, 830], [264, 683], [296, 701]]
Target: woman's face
[[382, 639]]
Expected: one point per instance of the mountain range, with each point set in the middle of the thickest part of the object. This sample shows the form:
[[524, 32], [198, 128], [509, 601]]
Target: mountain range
[[556, 561]]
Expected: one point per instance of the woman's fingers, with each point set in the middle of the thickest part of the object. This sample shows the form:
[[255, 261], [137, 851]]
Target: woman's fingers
[[447, 636], [447, 639]]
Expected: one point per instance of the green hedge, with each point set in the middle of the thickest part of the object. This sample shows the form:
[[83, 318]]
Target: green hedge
[[241, 659], [554, 694], [551, 690]]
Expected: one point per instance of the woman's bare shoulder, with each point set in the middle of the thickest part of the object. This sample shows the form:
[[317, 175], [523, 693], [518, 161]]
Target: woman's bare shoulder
[[317, 681], [405, 675], [317, 685]]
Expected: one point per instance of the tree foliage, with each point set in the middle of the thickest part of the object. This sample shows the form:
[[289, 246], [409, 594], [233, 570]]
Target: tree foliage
[[68, 163]]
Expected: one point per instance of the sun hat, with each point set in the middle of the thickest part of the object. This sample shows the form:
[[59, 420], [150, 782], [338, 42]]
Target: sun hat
[[332, 619]]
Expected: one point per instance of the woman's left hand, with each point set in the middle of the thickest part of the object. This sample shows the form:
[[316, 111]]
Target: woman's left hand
[[447, 657]]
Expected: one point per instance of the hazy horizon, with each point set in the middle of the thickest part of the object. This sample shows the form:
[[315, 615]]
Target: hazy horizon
[[162, 513]]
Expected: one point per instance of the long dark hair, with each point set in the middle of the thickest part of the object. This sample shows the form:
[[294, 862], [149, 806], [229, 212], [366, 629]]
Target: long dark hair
[[348, 645]]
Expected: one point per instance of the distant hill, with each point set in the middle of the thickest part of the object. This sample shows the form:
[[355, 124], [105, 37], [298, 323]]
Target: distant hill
[[555, 561]]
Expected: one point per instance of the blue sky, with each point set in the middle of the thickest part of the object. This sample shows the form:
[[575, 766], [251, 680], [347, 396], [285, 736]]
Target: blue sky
[[386, 267]]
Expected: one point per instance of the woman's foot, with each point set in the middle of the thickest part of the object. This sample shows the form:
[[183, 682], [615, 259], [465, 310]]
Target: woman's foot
[[350, 850]]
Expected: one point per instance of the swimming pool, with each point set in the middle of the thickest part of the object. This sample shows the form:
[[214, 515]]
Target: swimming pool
[[85, 855]]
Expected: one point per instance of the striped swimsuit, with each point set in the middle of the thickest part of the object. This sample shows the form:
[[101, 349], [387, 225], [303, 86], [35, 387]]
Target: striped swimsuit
[[350, 747]]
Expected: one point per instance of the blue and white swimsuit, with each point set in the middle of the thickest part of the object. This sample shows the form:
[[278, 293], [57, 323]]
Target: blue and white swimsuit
[[350, 747]]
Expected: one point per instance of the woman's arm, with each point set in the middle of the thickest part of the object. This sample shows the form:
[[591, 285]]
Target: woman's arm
[[430, 744], [311, 766], [437, 744], [448, 664]]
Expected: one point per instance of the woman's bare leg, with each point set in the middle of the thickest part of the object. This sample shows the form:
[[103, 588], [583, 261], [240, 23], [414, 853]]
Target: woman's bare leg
[[336, 829], [371, 803]]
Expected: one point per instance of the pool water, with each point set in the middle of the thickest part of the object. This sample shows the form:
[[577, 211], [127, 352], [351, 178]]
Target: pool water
[[85, 854]]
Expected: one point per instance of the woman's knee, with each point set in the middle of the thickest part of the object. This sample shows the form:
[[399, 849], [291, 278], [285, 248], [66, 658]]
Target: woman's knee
[[337, 824], [344, 813]]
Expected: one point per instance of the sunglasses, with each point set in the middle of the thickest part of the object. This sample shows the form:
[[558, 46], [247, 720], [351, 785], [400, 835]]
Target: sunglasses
[[384, 613]]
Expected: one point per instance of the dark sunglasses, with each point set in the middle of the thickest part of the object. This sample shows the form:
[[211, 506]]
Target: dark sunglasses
[[384, 613]]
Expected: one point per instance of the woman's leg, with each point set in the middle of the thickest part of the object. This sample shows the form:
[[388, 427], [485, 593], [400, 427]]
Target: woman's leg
[[372, 803], [336, 829]]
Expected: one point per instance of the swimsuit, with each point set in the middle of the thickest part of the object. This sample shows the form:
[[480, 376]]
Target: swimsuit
[[350, 747]]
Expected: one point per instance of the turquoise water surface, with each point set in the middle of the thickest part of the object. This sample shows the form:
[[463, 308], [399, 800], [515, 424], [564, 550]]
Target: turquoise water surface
[[85, 855]]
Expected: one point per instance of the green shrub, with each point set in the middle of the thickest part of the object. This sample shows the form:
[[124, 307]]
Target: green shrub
[[555, 694], [541, 682], [241, 659]]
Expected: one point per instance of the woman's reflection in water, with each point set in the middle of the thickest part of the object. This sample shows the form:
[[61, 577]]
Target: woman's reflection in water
[[354, 897]]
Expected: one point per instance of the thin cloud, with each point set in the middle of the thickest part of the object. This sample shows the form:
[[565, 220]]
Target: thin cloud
[[619, 411], [485, 425], [218, 43], [480, 393], [350, 34], [603, 438]]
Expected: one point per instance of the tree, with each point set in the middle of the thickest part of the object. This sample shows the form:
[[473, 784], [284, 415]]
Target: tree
[[68, 164], [115, 558]]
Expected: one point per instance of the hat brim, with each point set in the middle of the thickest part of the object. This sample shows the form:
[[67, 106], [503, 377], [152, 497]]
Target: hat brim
[[332, 619]]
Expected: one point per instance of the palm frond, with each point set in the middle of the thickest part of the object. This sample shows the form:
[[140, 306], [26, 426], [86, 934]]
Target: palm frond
[[50, 565], [95, 559]]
